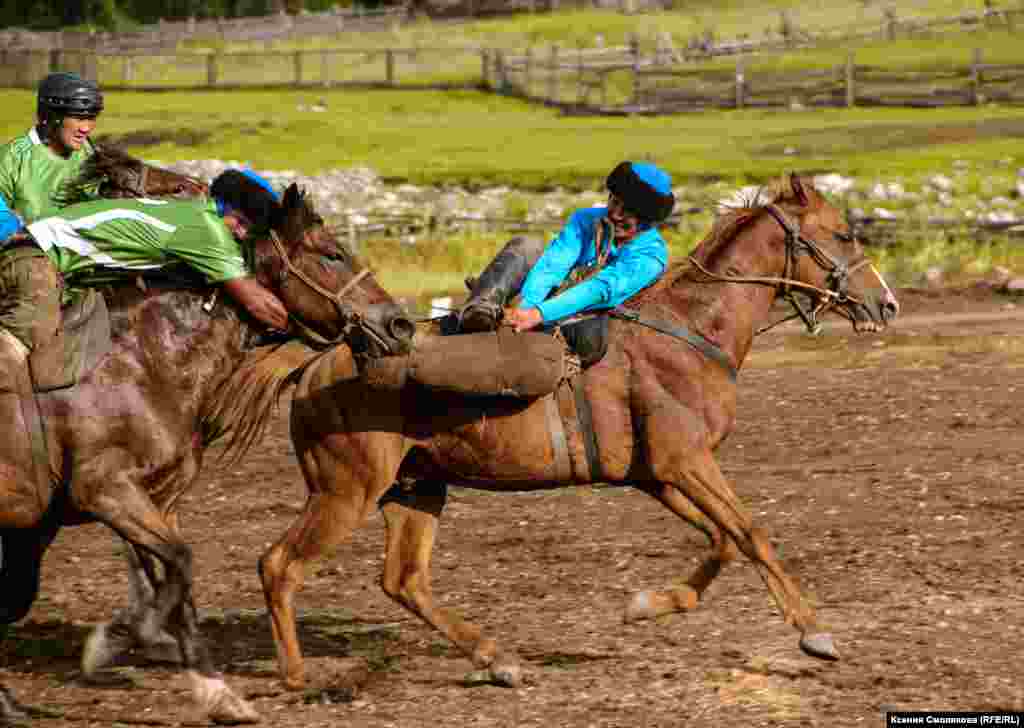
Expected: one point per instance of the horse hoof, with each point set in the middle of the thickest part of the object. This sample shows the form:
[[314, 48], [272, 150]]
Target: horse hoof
[[639, 607], [219, 703], [509, 675], [98, 652], [819, 645]]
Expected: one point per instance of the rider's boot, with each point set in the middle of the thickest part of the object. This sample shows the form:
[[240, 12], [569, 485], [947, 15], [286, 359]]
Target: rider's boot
[[499, 282]]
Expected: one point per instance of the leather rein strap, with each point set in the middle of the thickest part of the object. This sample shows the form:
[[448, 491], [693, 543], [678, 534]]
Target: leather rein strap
[[336, 298], [695, 340], [838, 271]]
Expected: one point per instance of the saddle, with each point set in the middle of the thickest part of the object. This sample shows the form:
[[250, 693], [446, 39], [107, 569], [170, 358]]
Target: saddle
[[83, 341]]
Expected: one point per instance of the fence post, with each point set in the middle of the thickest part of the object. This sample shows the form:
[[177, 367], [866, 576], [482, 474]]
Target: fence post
[[297, 63], [851, 92], [389, 67], [501, 80], [485, 67], [528, 71], [890, 24], [581, 92], [211, 69], [976, 96], [553, 76], [54, 60], [740, 82], [325, 73], [634, 52], [127, 70]]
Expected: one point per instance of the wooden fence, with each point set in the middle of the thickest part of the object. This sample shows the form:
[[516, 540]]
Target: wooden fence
[[578, 80], [418, 67], [849, 84]]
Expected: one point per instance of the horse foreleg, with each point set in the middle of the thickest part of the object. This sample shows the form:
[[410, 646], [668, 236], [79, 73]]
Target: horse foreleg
[[327, 521], [411, 519], [702, 482], [131, 513], [650, 603]]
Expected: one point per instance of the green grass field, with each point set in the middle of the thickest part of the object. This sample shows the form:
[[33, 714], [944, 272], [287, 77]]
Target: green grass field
[[474, 139]]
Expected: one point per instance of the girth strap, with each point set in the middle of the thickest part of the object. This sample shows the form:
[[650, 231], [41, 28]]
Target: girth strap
[[697, 341], [585, 417]]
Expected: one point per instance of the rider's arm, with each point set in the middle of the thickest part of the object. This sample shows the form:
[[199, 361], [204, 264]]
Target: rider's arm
[[10, 223], [638, 265], [259, 301], [562, 253]]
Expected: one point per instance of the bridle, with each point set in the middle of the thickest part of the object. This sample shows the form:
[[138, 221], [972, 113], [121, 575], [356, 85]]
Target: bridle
[[838, 272], [350, 318]]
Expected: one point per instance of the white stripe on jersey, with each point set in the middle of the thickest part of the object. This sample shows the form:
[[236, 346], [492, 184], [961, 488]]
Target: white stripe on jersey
[[91, 221], [33, 136], [56, 232]]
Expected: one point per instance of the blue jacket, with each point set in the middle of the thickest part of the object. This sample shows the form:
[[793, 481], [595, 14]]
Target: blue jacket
[[10, 223], [630, 268]]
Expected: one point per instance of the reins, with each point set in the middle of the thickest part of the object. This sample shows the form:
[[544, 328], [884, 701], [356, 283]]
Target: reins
[[349, 316], [796, 243]]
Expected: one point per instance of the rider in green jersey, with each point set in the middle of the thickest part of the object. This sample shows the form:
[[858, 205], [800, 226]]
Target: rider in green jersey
[[131, 236], [35, 165]]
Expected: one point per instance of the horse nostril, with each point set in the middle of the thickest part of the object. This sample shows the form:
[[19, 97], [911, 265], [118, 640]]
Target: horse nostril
[[401, 328], [889, 310]]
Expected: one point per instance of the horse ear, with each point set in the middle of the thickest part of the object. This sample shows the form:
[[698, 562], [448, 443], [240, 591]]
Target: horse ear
[[799, 190], [292, 197]]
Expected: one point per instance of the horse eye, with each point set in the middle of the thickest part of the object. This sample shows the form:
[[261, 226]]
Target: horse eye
[[844, 237]]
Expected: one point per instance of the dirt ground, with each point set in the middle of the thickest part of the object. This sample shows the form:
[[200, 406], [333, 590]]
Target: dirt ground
[[888, 470]]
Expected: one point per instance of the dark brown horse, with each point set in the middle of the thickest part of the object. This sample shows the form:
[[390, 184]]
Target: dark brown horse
[[659, 407], [129, 439], [113, 173]]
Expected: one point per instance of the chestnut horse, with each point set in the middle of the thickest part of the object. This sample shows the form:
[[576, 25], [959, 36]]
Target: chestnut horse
[[659, 407], [129, 438]]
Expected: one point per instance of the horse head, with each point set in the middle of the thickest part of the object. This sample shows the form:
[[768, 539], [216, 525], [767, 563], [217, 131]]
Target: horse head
[[113, 173], [329, 295], [808, 248], [823, 253]]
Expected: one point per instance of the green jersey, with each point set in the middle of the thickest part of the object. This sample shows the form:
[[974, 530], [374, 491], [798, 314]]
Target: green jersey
[[31, 174], [140, 234]]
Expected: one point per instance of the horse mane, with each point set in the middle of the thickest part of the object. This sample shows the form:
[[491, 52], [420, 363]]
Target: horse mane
[[95, 171], [245, 402], [734, 214]]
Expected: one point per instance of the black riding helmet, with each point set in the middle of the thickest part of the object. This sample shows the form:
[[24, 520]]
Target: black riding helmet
[[67, 94], [245, 191]]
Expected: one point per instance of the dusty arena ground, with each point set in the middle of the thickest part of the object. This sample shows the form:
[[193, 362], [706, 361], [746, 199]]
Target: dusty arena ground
[[888, 469]]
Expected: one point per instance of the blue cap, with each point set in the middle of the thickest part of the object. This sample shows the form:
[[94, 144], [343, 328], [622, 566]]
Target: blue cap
[[262, 182], [653, 175]]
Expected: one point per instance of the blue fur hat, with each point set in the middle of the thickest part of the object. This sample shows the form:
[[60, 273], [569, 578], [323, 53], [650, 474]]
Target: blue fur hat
[[645, 190]]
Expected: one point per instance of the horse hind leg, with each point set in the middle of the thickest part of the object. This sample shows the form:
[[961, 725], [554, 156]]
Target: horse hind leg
[[650, 603], [411, 518], [131, 513], [701, 481]]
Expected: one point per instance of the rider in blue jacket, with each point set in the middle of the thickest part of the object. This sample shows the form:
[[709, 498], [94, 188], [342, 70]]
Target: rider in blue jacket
[[602, 257]]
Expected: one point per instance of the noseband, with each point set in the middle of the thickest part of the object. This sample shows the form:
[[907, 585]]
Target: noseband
[[350, 318], [837, 277]]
